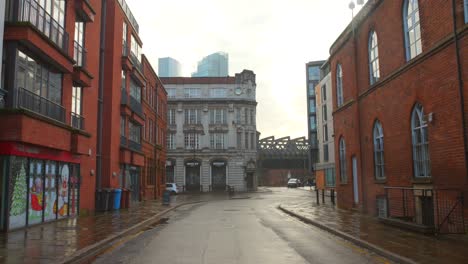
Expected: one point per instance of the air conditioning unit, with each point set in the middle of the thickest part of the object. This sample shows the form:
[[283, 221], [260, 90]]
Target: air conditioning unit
[[382, 207]]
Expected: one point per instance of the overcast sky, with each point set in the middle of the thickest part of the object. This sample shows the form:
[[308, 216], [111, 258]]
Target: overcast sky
[[274, 38]]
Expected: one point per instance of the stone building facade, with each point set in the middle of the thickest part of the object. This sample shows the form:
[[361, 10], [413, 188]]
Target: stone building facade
[[211, 137]]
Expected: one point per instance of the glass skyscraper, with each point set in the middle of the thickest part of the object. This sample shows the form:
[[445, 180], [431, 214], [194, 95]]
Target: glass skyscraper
[[313, 78], [214, 65], [169, 67]]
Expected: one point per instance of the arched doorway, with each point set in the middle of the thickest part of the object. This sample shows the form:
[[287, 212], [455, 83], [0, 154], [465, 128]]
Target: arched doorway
[[192, 175], [218, 175]]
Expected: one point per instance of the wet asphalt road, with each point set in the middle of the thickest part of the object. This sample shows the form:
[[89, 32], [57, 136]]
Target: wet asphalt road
[[246, 230]]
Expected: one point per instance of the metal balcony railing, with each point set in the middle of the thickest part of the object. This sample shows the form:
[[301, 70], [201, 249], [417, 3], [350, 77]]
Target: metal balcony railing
[[79, 55], [123, 96], [123, 141], [40, 105], [31, 11], [77, 121], [135, 61], [135, 105], [134, 145], [124, 48], [129, 15], [3, 95]]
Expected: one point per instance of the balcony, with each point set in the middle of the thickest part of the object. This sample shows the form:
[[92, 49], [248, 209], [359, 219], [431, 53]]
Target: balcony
[[136, 106], [32, 12], [123, 141], [134, 145], [123, 96], [33, 102], [136, 62], [79, 55], [77, 121], [129, 15], [84, 10]]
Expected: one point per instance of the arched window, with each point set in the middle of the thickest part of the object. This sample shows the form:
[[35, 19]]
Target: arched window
[[339, 85], [343, 175], [421, 158], [379, 151], [466, 11], [412, 29], [374, 68]]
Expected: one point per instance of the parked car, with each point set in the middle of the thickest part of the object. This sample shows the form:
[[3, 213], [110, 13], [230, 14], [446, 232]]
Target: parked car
[[294, 183], [172, 187]]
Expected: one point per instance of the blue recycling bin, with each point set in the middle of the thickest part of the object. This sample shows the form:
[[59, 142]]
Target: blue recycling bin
[[117, 197], [166, 197]]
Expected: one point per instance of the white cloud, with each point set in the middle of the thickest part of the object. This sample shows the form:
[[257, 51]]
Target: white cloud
[[274, 38]]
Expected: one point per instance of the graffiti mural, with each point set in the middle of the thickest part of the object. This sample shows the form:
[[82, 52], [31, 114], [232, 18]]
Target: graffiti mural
[[18, 192], [50, 191], [63, 184], [36, 192]]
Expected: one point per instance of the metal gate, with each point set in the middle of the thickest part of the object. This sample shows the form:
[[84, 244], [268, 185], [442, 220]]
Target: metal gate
[[449, 212]]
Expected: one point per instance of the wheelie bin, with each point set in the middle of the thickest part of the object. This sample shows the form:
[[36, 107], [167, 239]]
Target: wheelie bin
[[117, 197]]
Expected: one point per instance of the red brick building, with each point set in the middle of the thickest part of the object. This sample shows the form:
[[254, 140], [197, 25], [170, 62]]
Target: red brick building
[[48, 116], [400, 93], [62, 109], [130, 157], [154, 110]]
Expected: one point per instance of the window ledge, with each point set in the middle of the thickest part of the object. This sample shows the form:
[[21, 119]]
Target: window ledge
[[380, 181], [422, 180]]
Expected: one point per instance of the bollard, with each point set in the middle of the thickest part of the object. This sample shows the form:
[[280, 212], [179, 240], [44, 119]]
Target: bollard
[[323, 195], [332, 196], [317, 196]]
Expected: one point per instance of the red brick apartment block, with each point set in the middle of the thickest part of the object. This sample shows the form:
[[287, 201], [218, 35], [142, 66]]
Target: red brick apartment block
[[60, 135], [412, 99]]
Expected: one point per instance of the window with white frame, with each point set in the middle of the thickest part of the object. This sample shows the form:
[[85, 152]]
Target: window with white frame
[[252, 117], [123, 85], [218, 93], [324, 93], [246, 140], [192, 116], [192, 93], [170, 141], [135, 91], [412, 29], [238, 116], [421, 157], [217, 140], [246, 115], [192, 141], [239, 140], [218, 116], [374, 67], [78, 49], [379, 151], [324, 113], [343, 175], [171, 115], [339, 85], [136, 49], [124, 38], [171, 92], [325, 153], [252, 140], [134, 132]]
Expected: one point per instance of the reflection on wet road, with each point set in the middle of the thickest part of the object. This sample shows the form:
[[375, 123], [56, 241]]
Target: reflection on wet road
[[237, 231]]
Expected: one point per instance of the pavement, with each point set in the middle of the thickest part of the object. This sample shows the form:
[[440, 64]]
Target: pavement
[[67, 240], [363, 228]]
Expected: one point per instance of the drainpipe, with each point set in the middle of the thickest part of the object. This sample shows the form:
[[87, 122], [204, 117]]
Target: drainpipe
[[2, 25], [460, 82], [101, 95]]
